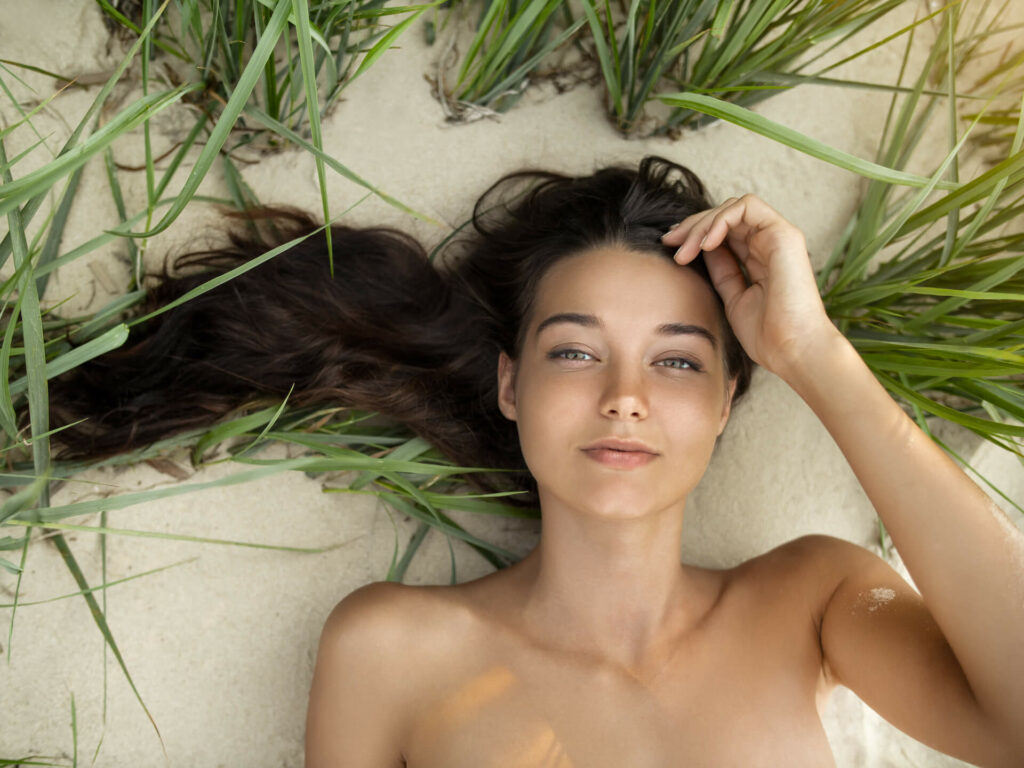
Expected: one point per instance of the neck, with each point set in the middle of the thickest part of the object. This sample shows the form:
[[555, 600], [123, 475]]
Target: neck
[[611, 587]]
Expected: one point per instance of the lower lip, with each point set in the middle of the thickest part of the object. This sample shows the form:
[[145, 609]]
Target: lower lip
[[620, 459]]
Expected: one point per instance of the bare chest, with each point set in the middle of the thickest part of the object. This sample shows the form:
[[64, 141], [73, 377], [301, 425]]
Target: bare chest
[[733, 695]]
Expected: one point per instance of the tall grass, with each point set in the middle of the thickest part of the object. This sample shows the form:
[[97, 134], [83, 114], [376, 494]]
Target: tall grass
[[743, 51], [512, 38], [242, 68], [927, 280]]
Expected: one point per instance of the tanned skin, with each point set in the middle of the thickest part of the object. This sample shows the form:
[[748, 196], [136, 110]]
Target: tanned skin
[[600, 648]]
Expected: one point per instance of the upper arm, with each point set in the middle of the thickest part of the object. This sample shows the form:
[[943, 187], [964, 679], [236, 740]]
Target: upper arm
[[356, 709], [879, 640]]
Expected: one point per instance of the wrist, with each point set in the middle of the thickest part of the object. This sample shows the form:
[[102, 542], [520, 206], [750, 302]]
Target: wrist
[[806, 365]]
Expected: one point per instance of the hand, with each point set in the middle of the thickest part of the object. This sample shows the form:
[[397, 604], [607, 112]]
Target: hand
[[778, 315]]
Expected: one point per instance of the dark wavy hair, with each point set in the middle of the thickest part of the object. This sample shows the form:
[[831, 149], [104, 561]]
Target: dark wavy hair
[[388, 332]]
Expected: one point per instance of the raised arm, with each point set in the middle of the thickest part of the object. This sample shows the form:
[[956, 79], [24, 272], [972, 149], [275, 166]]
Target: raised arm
[[964, 555]]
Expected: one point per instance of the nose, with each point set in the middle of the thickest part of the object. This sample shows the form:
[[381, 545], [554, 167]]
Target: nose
[[624, 397]]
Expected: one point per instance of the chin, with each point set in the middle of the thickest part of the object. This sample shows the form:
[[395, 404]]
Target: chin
[[619, 500]]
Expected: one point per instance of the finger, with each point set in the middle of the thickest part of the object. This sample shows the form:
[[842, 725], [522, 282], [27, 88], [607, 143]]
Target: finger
[[754, 231], [691, 233], [681, 231], [737, 222], [726, 275]]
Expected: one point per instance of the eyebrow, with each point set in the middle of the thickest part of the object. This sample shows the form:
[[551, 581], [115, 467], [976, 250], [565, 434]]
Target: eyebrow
[[666, 329]]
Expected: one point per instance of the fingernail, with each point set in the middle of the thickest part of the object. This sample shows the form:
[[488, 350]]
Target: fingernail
[[703, 240]]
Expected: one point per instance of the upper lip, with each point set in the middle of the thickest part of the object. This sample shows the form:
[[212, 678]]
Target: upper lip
[[617, 444]]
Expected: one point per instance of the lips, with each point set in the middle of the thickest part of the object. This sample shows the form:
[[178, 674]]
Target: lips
[[620, 454]]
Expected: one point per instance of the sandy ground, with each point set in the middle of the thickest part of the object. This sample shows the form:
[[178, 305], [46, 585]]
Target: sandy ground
[[222, 645]]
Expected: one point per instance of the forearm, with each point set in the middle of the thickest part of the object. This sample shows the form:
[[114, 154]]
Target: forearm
[[965, 557]]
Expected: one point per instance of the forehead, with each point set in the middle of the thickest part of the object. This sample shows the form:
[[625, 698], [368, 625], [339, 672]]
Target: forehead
[[616, 282]]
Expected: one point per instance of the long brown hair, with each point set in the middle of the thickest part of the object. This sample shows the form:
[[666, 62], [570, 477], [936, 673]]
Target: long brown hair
[[388, 332]]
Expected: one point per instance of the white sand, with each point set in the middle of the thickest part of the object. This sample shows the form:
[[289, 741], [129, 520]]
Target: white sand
[[221, 647]]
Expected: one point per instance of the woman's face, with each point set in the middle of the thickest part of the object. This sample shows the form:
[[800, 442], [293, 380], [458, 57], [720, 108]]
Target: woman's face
[[619, 392]]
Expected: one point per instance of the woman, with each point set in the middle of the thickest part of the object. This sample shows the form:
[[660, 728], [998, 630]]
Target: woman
[[608, 352]]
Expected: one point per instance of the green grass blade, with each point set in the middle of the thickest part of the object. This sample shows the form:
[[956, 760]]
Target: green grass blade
[[389, 39], [752, 121], [104, 586], [301, 10], [228, 117], [101, 622], [39, 182], [105, 530], [286, 133], [112, 339], [213, 282]]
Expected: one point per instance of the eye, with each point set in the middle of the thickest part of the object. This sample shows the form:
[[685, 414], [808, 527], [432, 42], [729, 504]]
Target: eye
[[572, 355], [679, 363]]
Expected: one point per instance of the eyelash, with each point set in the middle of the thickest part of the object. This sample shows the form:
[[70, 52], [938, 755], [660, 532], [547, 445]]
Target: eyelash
[[562, 354]]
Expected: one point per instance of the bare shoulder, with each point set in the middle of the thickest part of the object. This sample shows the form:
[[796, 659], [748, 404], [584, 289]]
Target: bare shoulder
[[802, 577], [390, 625], [817, 562], [369, 662], [373, 613]]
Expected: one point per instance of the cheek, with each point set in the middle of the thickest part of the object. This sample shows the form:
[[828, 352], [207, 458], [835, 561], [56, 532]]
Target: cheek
[[549, 415]]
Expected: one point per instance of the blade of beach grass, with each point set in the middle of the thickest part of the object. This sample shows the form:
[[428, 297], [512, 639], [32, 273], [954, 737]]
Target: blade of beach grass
[[907, 29], [269, 425], [753, 45], [510, 42], [234, 428], [286, 133], [495, 555], [55, 230], [23, 499], [300, 9], [745, 118], [8, 420], [98, 617], [32, 332], [100, 321], [511, 83], [35, 361], [118, 198], [104, 530], [389, 38], [869, 250], [604, 48], [213, 282], [142, 32], [263, 468], [938, 322], [38, 183], [147, 143], [247, 81], [986, 210], [397, 570], [242, 195], [982, 427], [410, 450], [112, 339], [952, 218], [105, 585], [32, 205], [74, 733]]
